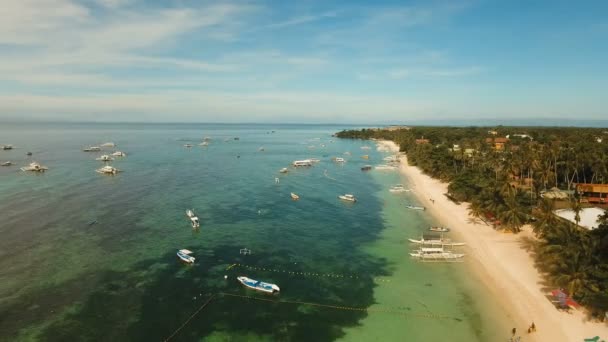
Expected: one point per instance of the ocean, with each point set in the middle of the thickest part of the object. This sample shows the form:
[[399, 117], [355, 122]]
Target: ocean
[[86, 256]]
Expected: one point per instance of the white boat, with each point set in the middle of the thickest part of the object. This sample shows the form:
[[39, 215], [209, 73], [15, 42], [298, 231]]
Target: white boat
[[439, 229], [7, 163], [108, 144], [339, 160], [284, 170], [398, 188], [258, 285], [92, 149], [365, 147], [261, 149], [206, 138], [435, 254], [391, 159], [348, 197], [119, 154], [193, 218], [188, 145], [415, 207], [384, 167], [108, 170], [294, 197], [314, 160], [105, 158], [185, 256], [204, 143], [35, 167], [7, 147], [305, 162], [436, 241]]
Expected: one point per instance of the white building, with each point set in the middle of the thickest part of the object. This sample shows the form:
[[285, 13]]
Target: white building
[[588, 216]]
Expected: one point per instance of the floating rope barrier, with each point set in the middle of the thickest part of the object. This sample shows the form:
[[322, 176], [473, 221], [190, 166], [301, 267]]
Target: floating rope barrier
[[306, 274], [191, 317]]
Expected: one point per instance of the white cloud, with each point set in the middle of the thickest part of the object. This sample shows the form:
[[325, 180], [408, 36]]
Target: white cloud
[[301, 20]]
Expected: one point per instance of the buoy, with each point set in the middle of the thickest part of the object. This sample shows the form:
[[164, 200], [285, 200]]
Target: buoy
[[225, 277]]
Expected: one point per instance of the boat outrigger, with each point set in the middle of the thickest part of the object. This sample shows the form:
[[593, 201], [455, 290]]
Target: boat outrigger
[[184, 255], [435, 254], [193, 218], [415, 207], [259, 285]]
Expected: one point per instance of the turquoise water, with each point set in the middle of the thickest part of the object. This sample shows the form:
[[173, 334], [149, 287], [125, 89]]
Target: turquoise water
[[63, 278]]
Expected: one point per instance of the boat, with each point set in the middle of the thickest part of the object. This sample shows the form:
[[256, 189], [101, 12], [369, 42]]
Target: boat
[[7, 147], [7, 163], [28, 154], [35, 167], [294, 197], [236, 138], [261, 149], [435, 254], [92, 149], [119, 154], [415, 207], [284, 170], [346, 153], [258, 285], [185, 256], [314, 160], [365, 156], [398, 188], [108, 144], [187, 145], [339, 160], [105, 158], [384, 167], [365, 147], [204, 143], [434, 240], [206, 138], [366, 168], [439, 229], [348, 197], [305, 162], [108, 170], [193, 218], [391, 159]]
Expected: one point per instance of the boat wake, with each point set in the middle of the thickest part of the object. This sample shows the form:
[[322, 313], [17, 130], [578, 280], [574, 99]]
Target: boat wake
[[328, 176]]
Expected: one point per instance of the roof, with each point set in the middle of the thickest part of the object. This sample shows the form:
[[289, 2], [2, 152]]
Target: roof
[[588, 216]]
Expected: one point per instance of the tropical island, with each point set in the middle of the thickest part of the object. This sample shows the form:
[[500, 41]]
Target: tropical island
[[548, 182]]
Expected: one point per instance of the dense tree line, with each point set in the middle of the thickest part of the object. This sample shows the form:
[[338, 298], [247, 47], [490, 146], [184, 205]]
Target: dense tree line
[[503, 185]]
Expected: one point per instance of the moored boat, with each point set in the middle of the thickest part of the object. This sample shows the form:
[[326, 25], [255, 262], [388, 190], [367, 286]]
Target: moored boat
[[105, 158], [415, 207], [294, 197], [7, 147], [366, 168], [35, 167], [398, 188], [385, 167], [187, 145], [184, 255], [108, 170], [7, 163], [284, 170], [258, 285], [348, 197], [92, 149], [305, 162], [339, 160], [439, 229], [435, 241], [108, 144], [435, 254], [119, 154], [193, 218]]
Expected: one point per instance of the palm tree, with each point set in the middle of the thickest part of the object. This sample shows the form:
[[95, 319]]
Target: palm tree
[[546, 219], [513, 216], [576, 206]]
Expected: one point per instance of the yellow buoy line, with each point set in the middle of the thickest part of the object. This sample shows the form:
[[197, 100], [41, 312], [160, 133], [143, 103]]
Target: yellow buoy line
[[305, 274]]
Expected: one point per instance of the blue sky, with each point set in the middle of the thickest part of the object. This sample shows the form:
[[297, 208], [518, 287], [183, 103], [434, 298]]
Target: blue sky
[[302, 61]]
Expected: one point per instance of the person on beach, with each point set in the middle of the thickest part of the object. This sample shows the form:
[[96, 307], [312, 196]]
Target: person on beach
[[533, 327], [514, 331]]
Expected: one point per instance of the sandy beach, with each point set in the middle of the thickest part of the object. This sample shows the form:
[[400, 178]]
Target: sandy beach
[[502, 263]]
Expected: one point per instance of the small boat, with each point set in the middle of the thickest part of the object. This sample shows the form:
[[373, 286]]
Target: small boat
[[236, 138], [435, 241], [7, 147], [439, 229], [305, 162], [28, 154], [398, 188], [193, 219], [204, 143], [108, 144], [187, 145], [435, 254], [258, 285], [261, 149], [108, 170], [206, 138], [7, 163], [348, 197], [366, 168], [35, 167], [185, 256], [294, 197], [284, 170], [415, 207], [385, 167], [339, 160], [92, 149], [119, 154], [314, 160], [365, 157], [392, 158], [365, 147], [105, 158]]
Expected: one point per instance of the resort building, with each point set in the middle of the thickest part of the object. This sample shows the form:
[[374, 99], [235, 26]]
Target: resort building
[[492, 132], [499, 143], [422, 141], [592, 193], [588, 216]]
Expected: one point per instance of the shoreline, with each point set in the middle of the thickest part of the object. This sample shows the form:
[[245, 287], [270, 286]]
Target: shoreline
[[501, 263]]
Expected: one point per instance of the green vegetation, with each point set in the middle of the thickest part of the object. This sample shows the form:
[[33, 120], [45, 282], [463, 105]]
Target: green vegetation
[[503, 179]]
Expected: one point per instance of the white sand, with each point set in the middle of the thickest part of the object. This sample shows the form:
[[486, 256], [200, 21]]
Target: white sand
[[503, 265]]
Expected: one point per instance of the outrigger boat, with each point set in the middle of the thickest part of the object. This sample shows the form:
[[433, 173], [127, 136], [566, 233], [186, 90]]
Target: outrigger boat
[[366, 168], [119, 154], [259, 285], [435, 254], [105, 158], [35, 167], [7, 147], [398, 188], [439, 229], [415, 207], [184, 255], [108, 170], [294, 197], [385, 167], [193, 218], [284, 170], [92, 149], [435, 241], [7, 163], [348, 197]]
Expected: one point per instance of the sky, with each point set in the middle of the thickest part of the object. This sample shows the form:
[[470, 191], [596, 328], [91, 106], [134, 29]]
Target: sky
[[302, 61]]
